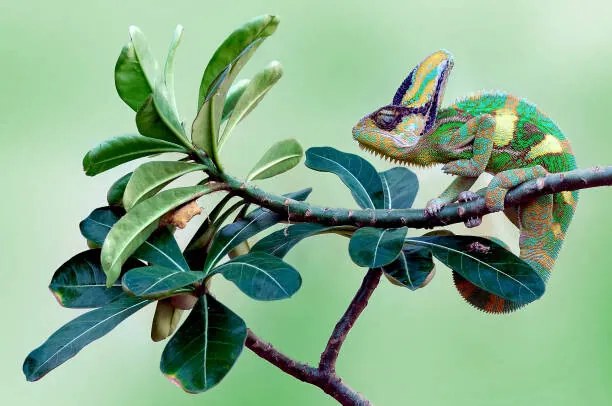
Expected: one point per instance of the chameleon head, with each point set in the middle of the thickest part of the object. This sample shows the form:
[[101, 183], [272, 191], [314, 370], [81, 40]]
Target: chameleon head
[[391, 131], [399, 130]]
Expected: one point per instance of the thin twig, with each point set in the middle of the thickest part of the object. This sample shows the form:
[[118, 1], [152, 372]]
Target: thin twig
[[329, 382], [357, 305], [416, 218]]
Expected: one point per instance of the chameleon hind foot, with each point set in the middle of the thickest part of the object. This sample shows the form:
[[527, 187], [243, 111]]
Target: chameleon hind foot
[[468, 196]]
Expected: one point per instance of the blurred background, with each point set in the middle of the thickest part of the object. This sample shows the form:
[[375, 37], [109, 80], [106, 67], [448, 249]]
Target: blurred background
[[342, 59]]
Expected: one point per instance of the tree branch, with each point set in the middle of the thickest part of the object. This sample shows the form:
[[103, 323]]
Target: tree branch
[[415, 218], [357, 305], [329, 382], [325, 376]]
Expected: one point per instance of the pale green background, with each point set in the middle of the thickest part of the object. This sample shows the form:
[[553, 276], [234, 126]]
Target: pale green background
[[342, 60]]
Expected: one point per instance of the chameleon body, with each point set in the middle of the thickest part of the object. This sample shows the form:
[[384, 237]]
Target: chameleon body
[[492, 132]]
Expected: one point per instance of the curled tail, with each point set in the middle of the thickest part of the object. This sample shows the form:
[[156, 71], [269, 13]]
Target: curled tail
[[542, 224]]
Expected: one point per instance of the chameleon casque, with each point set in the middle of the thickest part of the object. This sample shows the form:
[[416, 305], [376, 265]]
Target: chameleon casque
[[492, 132]]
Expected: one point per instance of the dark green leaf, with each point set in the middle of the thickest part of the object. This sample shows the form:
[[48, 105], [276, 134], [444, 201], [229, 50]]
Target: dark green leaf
[[205, 348], [125, 148], [150, 124], [114, 196], [159, 249], [130, 81], [233, 234], [233, 94], [280, 158], [412, 268], [355, 172], [80, 282], [234, 45], [254, 93], [487, 265], [66, 342], [150, 177], [374, 247], [155, 282], [261, 276], [138, 224], [280, 242], [400, 186]]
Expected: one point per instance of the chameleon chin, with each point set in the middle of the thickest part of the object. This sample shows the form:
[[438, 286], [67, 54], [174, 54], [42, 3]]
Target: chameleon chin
[[492, 132]]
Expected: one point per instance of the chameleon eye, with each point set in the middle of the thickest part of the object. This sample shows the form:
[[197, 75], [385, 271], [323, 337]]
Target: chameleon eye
[[385, 119]]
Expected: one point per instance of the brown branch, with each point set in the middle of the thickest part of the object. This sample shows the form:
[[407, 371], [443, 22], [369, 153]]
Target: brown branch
[[329, 382], [416, 218], [325, 376], [357, 305]]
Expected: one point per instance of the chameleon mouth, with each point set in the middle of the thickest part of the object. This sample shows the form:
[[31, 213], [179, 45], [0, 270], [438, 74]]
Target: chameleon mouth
[[380, 155]]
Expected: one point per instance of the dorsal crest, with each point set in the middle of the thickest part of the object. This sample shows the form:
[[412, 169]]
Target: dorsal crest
[[423, 88]]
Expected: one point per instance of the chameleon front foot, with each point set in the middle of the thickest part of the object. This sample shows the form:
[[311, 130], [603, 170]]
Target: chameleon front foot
[[433, 207], [468, 196]]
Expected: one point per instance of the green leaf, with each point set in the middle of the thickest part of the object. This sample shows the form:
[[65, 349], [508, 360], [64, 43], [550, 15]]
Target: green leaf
[[66, 342], [130, 81], [114, 196], [355, 172], [233, 234], [149, 178], [235, 44], [138, 224], [280, 158], [148, 64], [150, 124], [155, 282], [233, 94], [80, 282], [125, 148], [400, 187], [253, 94], [162, 99], [412, 269], [280, 242], [261, 276], [205, 128], [374, 247], [205, 348], [160, 248], [169, 67], [487, 265]]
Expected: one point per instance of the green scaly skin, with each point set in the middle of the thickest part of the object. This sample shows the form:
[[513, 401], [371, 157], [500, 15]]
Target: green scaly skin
[[489, 132]]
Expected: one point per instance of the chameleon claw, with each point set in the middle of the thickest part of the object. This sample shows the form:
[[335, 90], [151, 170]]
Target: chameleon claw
[[468, 196], [433, 207]]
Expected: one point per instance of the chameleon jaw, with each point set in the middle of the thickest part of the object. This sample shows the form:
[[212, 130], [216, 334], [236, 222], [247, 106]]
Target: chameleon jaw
[[380, 155]]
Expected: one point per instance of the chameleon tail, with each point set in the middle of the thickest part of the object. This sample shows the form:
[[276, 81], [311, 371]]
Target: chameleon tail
[[544, 223]]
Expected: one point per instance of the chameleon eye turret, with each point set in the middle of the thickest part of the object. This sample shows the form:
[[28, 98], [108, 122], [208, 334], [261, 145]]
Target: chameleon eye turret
[[488, 132]]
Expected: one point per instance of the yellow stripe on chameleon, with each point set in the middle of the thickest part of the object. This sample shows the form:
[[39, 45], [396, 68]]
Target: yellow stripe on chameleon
[[568, 198], [505, 124], [430, 63], [549, 145]]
